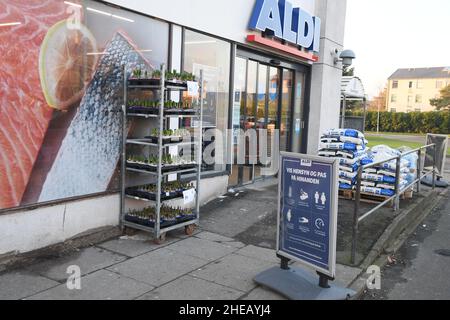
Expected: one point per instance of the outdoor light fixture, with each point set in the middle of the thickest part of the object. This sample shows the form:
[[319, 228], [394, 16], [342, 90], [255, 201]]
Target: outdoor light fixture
[[200, 42], [109, 14], [73, 4], [346, 57], [10, 24]]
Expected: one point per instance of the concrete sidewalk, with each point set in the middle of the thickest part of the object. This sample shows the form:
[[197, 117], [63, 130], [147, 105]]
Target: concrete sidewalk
[[235, 243], [205, 266]]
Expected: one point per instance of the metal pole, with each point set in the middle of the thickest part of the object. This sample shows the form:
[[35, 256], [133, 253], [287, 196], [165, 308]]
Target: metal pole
[[364, 115], [160, 151], [199, 146], [378, 118], [397, 184], [419, 170], [123, 148], [356, 215], [344, 107], [434, 166]]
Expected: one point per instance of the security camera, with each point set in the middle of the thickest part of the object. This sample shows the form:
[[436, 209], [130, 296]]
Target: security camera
[[346, 57]]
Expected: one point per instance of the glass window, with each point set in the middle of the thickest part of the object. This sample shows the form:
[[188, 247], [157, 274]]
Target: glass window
[[60, 133], [439, 84], [262, 90], [213, 56], [394, 98], [410, 85], [419, 98], [393, 110], [410, 101], [286, 116], [395, 84], [420, 84]]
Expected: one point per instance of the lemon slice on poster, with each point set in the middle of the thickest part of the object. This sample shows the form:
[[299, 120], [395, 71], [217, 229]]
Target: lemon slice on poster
[[67, 63]]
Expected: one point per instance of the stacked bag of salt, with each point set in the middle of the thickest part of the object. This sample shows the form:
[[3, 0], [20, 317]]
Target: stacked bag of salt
[[349, 146], [381, 180]]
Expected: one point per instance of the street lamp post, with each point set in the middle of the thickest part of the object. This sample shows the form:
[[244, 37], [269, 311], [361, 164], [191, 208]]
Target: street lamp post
[[378, 117]]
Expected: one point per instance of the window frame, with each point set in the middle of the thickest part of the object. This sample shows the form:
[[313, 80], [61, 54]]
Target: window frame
[[228, 146], [395, 84]]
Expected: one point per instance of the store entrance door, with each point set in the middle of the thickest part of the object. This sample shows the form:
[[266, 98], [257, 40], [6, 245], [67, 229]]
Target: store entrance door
[[266, 97]]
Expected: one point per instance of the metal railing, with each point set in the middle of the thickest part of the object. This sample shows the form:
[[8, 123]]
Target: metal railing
[[357, 219]]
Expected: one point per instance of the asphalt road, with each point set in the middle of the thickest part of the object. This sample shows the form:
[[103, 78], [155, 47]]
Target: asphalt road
[[420, 269]]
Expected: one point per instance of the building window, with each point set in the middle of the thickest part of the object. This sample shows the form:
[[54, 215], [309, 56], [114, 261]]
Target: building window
[[417, 110], [439, 84], [419, 98], [72, 126], [410, 85], [408, 110], [393, 98], [395, 84], [213, 56], [393, 110], [419, 84], [410, 101]]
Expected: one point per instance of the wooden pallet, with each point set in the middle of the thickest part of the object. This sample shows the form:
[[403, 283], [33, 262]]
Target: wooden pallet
[[346, 194], [372, 198]]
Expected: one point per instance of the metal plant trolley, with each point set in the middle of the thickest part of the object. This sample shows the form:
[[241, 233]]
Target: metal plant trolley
[[161, 90]]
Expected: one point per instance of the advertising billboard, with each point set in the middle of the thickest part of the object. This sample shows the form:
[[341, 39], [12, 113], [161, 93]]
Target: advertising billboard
[[62, 90], [307, 216]]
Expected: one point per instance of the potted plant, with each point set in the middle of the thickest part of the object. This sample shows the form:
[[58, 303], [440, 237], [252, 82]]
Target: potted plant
[[156, 74]]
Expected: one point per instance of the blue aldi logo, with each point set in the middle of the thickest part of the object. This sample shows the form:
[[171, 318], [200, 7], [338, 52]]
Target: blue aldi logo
[[280, 19]]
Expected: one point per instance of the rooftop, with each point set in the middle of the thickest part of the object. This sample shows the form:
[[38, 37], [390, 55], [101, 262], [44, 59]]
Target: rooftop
[[421, 73]]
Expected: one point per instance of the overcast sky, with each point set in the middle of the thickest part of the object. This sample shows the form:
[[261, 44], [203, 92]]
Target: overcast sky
[[391, 34]]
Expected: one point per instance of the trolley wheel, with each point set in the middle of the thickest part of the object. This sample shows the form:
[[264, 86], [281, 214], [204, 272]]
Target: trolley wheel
[[189, 230], [161, 239], [129, 231]]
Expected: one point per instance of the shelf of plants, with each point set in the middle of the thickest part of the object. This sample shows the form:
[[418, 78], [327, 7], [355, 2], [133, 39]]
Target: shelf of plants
[[159, 218]]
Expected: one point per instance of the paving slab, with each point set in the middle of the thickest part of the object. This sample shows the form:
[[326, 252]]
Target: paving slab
[[260, 293], [235, 271], [345, 275], [20, 284], [158, 267], [101, 285], [89, 260], [263, 254], [134, 246], [203, 249], [190, 288], [220, 239]]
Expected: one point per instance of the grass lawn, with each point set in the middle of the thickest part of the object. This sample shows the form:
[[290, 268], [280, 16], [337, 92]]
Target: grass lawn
[[374, 141]]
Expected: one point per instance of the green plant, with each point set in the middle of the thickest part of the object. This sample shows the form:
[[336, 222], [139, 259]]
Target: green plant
[[413, 122], [156, 74]]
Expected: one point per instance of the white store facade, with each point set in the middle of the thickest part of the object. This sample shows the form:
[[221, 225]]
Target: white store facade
[[255, 80]]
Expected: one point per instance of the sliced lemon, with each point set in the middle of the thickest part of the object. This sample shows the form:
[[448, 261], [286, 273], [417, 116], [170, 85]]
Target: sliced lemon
[[67, 63]]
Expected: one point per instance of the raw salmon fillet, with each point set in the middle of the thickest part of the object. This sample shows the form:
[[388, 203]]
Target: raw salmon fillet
[[88, 156], [24, 113]]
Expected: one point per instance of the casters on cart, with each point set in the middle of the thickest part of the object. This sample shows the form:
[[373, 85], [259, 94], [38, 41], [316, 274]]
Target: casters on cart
[[161, 239], [129, 231], [189, 230]]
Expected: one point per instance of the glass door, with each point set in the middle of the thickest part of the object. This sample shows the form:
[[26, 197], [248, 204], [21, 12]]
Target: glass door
[[269, 98], [298, 120]]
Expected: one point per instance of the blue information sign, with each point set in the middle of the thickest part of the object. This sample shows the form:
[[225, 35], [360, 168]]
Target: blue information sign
[[308, 211]]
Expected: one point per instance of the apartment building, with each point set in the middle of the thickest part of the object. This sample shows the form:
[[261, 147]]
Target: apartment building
[[410, 90]]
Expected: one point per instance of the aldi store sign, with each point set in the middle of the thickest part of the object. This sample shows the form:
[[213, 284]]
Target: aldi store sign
[[280, 19]]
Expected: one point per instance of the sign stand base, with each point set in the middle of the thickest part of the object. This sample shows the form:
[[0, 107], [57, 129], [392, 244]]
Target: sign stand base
[[298, 284]]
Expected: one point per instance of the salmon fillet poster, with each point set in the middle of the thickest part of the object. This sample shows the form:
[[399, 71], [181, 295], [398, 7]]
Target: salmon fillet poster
[[61, 91]]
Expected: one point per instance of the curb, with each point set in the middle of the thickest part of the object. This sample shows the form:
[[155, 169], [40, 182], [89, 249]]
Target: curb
[[395, 236]]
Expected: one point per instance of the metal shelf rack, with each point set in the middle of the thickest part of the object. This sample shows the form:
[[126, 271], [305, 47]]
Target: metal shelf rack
[[162, 90]]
